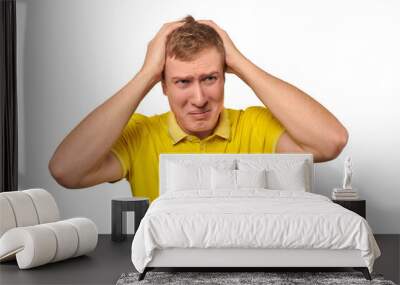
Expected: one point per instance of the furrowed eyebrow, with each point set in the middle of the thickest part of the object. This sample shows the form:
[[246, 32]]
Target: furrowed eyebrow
[[190, 77]]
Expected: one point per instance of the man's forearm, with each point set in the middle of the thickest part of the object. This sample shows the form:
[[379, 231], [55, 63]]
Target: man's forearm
[[308, 122], [88, 143]]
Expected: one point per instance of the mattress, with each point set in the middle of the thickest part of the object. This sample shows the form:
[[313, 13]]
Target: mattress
[[250, 218]]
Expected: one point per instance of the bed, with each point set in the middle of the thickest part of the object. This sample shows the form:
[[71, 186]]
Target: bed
[[247, 210]]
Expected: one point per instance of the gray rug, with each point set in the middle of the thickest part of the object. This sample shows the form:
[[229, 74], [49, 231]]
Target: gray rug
[[229, 278]]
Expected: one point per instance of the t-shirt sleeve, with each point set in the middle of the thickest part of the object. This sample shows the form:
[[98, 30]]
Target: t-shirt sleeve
[[264, 128], [125, 146]]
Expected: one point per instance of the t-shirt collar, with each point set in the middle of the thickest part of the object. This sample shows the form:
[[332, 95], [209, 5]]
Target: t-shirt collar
[[177, 134]]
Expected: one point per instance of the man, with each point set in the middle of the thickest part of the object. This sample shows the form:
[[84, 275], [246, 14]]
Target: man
[[190, 59]]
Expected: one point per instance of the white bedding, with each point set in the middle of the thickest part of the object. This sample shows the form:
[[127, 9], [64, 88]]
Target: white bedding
[[250, 218]]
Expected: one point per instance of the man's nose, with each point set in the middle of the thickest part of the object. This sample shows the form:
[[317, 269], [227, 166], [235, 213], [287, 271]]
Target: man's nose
[[199, 99]]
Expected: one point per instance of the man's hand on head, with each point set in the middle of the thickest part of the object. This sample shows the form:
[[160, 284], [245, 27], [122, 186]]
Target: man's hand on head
[[233, 57], [155, 56]]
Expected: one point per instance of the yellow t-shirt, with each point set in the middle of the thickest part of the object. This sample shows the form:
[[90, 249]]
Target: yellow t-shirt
[[253, 130]]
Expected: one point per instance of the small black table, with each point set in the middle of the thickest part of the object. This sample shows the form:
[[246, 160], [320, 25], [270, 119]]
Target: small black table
[[119, 207], [357, 206]]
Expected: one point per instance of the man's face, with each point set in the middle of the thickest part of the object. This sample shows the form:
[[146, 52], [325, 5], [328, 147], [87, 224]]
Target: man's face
[[195, 91]]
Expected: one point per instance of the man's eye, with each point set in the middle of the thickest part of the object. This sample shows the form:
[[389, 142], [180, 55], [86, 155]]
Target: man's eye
[[182, 81], [211, 77]]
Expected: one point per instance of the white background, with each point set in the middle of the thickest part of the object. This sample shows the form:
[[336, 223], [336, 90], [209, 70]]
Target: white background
[[73, 55]]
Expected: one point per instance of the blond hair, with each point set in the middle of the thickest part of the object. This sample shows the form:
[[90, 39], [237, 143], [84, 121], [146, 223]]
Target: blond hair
[[187, 41]]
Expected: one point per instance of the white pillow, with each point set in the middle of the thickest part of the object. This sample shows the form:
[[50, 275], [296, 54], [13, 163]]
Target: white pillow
[[236, 179], [282, 174], [186, 174], [287, 179], [251, 178], [223, 179]]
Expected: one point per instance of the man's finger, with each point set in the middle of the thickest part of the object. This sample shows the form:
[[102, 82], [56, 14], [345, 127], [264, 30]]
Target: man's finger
[[169, 27], [175, 24], [212, 24], [206, 22], [209, 23]]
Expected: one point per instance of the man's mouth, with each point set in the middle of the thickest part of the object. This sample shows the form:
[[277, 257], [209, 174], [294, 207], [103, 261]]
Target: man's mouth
[[200, 115], [199, 112]]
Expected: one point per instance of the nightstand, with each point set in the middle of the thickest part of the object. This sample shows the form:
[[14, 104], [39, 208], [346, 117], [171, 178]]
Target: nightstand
[[119, 207], [357, 206]]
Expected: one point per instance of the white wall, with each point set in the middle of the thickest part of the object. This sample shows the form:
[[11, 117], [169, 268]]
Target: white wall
[[73, 55]]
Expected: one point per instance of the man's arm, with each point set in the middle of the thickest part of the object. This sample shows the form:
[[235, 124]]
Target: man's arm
[[310, 127], [83, 158], [83, 150]]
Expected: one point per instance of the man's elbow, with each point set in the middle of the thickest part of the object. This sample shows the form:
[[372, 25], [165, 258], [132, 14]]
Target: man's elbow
[[337, 145], [60, 177]]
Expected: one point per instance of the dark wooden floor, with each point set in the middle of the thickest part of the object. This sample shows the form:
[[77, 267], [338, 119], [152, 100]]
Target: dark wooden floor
[[111, 259]]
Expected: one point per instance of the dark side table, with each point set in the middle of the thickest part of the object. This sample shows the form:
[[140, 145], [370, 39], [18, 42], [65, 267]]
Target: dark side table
[[357, 206], [119, 207]]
